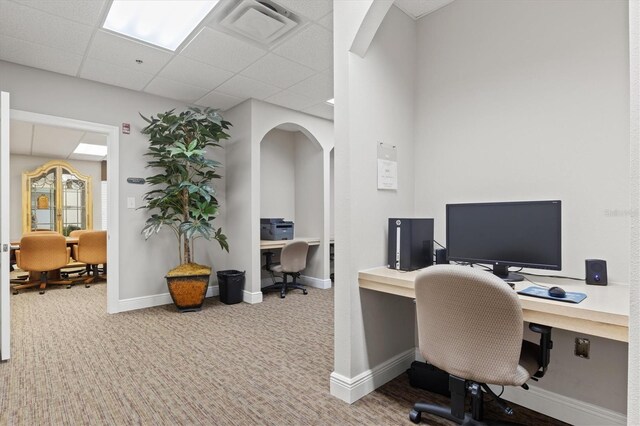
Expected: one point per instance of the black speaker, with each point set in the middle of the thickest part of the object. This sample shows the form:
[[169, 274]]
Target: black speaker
[[596, 271], [441, 256]]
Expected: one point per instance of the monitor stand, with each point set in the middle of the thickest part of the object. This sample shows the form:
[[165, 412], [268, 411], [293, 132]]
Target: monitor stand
[[502, 271]]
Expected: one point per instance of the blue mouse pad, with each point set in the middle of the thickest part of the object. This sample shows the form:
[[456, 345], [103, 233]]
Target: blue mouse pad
[[572, 297]]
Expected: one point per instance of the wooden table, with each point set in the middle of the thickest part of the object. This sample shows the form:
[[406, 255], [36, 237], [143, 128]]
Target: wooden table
[[604, 313]]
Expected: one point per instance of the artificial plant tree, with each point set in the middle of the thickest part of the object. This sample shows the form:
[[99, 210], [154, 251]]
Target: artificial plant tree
[[182, 197]]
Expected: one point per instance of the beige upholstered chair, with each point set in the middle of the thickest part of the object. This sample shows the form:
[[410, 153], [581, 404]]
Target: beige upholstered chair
[[41, 252], [470, 325], [293, 259], [92, 250]]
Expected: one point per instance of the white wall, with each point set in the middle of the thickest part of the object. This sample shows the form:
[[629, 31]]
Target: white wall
[[528, 100], [252, 121], [277, 175], [143, 264], [374, 103], [309, 198], [27, 163], [525, 101], [633, 404]]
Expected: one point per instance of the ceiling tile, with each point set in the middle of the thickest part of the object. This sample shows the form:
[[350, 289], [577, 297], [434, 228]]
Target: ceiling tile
[[50, 140], [219, 100], [321, 109], [277, 71], [20, 135], [84, 12], [199, 74], [312, 9], [175, 90], [114, 75], [32, 25], [123, 52], [291, 100], [312, 47], [243, 87], [327, 21], [94, 138], [222, 51], [38, 56], [319, 87]]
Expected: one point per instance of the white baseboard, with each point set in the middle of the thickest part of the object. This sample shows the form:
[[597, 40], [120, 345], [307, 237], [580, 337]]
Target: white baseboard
[[252, 298], [352, 389], [309, 281], [562, 407], [156, 300], [315, 282]]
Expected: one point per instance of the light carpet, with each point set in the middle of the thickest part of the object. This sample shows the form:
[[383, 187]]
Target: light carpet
[[266, 364]]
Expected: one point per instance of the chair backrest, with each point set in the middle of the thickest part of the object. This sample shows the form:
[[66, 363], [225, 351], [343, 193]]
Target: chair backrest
[[92, 247], [42, 252], [76, 233], [469, 323], [294, 256]]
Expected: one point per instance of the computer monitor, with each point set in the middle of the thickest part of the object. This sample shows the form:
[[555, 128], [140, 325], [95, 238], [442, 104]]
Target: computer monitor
[[525, 234]]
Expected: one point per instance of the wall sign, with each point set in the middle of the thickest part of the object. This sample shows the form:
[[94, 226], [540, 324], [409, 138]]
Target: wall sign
[[387, 166]]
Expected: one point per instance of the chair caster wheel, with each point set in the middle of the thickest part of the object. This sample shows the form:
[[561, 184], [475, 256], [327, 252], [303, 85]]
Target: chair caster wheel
[[42, 292], [69, 286], [304, 291], [87, 286], [16, 292], [415, 416], [282, 296]]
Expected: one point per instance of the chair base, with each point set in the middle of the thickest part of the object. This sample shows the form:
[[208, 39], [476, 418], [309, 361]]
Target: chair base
[[42, 284], [459, 388], [283, 287]]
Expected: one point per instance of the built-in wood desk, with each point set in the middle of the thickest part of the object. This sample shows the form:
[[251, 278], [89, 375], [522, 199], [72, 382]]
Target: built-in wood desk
[[604, 313], [276, 244]]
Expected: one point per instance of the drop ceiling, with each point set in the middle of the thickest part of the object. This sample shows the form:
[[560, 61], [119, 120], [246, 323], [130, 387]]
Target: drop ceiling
[[216, 67], [51, 142]]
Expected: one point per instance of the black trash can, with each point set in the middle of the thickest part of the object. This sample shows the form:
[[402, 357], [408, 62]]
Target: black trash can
[[231, 283]]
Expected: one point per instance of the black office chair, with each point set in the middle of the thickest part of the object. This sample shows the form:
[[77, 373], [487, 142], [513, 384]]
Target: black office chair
[[470, 325], [293, 259]]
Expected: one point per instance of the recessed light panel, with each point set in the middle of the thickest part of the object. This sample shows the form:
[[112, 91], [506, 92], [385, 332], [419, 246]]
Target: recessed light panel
[[89, 149], [164, 23]]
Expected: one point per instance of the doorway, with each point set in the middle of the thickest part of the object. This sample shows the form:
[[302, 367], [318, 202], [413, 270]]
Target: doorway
[[106, 133]]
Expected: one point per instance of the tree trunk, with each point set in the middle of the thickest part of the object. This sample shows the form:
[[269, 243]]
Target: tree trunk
[[185, 209]]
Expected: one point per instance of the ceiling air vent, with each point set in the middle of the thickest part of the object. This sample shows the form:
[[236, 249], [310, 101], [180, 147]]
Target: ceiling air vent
[[261, 21]]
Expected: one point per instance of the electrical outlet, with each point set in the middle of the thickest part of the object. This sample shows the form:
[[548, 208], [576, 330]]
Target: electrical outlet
[[582, 347]]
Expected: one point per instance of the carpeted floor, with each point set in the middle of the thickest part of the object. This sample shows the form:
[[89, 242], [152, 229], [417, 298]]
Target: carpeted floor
[[227, 365]]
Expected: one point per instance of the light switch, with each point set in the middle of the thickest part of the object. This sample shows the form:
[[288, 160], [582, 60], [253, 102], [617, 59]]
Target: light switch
[[131, 202]]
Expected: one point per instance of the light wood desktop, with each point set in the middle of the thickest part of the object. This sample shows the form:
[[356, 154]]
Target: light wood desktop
[[278, 244], [604, 313]]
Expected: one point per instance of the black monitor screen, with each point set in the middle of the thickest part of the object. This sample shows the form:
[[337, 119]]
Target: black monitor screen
[[525, 234]]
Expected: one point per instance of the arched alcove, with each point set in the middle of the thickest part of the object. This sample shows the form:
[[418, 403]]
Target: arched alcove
[[292, 187]]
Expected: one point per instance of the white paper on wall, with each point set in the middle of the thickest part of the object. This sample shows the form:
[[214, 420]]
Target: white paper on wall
[[387, 167]]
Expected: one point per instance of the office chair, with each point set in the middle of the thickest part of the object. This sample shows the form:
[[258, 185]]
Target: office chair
[[92, 250], [293, 259], [470, 325], [44, 253]]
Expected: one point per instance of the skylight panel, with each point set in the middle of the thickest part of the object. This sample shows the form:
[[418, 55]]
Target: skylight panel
[[89, 149], [164, 23]]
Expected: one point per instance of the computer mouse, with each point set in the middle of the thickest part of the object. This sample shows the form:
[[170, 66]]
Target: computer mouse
[[557, 292]]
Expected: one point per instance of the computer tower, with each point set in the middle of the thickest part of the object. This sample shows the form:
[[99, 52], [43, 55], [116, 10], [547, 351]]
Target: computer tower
[[410, 243]]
